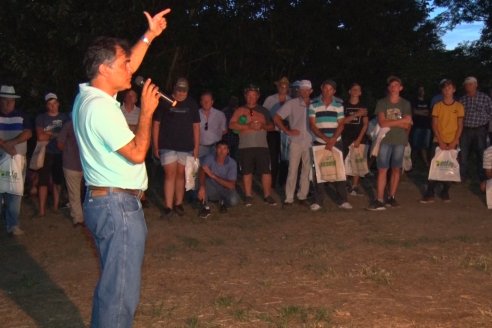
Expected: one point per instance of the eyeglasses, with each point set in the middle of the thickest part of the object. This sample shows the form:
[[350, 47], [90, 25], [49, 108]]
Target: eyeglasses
[[206, 126]]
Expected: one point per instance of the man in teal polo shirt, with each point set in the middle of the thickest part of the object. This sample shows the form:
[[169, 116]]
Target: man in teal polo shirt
[[112, 159]]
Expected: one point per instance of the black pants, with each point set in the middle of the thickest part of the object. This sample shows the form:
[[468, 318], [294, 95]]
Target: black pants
[[273, 139]]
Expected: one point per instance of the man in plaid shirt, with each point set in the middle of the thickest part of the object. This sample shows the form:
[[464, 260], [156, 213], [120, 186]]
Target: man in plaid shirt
[[478, 113]]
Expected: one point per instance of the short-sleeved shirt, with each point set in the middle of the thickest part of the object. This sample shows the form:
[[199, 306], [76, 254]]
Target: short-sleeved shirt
[[478, 110], [273, 104], [256, 139], [11, 125], [215, 126], [396, 135], [132, 116], [71, 155], [101, 130], [487, 158], [53, 124], [176, 125], [447, 119], [296, 112], [227, 171], [326, 117], [351, 130]]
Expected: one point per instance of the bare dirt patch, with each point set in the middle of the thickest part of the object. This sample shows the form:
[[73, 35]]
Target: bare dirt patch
[[414, 266]]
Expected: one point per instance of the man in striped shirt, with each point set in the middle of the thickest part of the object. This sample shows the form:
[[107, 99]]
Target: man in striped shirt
[[15, 130], [326, 121]]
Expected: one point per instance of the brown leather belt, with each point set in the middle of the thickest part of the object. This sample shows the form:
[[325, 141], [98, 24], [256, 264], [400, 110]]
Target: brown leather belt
[[96, 191]]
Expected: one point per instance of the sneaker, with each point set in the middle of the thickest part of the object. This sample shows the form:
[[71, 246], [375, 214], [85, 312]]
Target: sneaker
[[248, 201], [204, 212], [345, 206], [270, 201], [445, 197], [392, 202], [179, 209], [167, 213], [427, 199], [356, 192], [314, 207], [16, 231], [376, 206]]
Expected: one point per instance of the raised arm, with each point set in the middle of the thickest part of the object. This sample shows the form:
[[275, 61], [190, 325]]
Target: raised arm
[[156, 25]]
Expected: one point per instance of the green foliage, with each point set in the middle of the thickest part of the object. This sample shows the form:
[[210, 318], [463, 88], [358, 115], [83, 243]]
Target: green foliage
[[222, 45]]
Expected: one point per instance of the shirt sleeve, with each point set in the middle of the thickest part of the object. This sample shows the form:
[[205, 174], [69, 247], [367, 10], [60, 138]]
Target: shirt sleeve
[[461, 110], [285, 110], [340, 113], [109, 125]]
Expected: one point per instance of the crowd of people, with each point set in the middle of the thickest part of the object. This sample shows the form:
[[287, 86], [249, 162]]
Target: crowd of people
[[105, 144], [272, 141]]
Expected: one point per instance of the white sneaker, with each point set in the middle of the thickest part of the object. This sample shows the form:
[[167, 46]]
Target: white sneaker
[[345, 206], [16, 231], [314, 207]]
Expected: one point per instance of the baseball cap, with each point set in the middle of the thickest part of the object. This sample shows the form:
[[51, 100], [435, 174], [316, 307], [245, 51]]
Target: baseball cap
[[182, 85], [252, 87], [50, 96], [470, 79], [305, 84], [393, 78]]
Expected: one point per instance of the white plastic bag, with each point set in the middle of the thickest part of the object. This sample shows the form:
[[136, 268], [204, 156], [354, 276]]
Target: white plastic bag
[[328, 164], [407, 158], [37, 158], [12, 174], [356, 161], [191, 170], [445, 166], [488, 191], [375, 145]]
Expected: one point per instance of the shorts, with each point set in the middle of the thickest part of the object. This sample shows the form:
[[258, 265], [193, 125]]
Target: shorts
[[168, 156], [390, 156], [52, 167], [254, 158]]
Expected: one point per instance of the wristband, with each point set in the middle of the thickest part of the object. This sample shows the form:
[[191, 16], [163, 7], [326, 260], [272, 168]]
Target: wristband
[[145, 40]]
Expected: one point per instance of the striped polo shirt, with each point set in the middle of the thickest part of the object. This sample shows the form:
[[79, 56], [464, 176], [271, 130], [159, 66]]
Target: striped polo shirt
[[13, 124], [326, 117]]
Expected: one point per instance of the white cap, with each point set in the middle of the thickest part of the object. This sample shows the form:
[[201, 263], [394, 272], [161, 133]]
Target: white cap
[[470, 79], [50, 96], [305, 84]]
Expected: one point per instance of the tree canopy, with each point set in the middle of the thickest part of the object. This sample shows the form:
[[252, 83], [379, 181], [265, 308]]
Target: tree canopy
[[221, 45]]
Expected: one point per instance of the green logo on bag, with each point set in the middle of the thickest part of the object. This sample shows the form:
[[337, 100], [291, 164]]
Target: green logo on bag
[[8, 174], [328, 162], [445, 164]]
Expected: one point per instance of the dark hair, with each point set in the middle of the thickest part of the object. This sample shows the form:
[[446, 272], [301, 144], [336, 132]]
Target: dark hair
[[207, 93], [102, 50], [220, 143], [353, 84], [447, 82]]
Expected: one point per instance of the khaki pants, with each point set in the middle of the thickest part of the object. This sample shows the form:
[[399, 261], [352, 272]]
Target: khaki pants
[[73, 180], [298, 153]]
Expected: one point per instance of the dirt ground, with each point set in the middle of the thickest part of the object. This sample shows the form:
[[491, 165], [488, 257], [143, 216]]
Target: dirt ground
[[415, 266]]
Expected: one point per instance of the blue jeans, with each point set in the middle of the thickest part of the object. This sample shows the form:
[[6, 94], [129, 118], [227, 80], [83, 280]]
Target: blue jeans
[[11, 205], [117, 224], [390, 156], [473, 139], [215, 192]]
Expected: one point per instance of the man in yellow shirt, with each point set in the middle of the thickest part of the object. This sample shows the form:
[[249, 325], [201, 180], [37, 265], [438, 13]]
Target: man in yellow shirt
[[447, 125]]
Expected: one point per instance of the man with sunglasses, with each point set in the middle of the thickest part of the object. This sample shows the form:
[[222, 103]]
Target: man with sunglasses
[[212, 125]]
